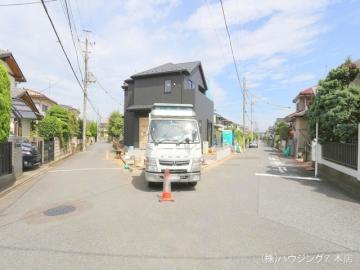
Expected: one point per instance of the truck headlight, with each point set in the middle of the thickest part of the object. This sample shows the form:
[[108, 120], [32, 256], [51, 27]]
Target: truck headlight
[[151, 165], [196, 164]]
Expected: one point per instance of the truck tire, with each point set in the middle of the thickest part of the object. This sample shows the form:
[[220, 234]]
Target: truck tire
[[192, 184]]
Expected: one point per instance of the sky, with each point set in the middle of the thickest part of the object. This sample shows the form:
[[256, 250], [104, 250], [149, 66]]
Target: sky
[[280, 46]]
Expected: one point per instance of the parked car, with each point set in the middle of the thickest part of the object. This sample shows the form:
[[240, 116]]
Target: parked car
[[254, 144], [31, 155]]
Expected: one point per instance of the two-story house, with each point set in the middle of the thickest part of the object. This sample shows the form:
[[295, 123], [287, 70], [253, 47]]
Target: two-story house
[[182, 83], [15, 74], [42, 102], [298, 120], [24, 113]]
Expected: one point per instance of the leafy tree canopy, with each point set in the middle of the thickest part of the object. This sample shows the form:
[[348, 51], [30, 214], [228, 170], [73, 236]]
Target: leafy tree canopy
[[73, 124], [63, 115], [66, 125], [282, 129], [337, 105], [5, 104], [91, 129], [50, 127], [238, 135], [116, 124]]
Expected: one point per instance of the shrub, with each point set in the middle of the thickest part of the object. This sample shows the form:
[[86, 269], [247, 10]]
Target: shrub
[[50, 127], [5, 104], [116, 124]]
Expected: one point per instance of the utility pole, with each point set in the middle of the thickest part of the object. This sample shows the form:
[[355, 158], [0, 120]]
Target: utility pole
[[86, 58], [251, 118], [244, 106]]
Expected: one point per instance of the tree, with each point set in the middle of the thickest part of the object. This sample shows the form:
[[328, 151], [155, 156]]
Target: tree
[[238, 134], [65, 126], [50, 127], [282, 129], [337, 105], [116, 124], [63, 115], [5, 104], [73, 124], [91, 129], [80, 124]]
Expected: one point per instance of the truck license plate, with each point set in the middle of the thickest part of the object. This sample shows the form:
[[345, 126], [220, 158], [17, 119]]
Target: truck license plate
[[174, 177]]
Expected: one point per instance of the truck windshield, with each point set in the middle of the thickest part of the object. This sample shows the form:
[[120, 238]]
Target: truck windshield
[[174, 131]]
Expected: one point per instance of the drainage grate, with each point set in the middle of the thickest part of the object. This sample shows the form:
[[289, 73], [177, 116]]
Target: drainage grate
[[60, 210]]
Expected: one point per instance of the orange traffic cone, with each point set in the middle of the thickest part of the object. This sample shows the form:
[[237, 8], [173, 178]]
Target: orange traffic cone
[[166, 195]]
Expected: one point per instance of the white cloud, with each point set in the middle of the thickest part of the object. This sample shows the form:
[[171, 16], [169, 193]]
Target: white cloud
[[134, 35], [217, 93], [305, 77]]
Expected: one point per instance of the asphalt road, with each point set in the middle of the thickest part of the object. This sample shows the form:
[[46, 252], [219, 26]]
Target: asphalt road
[[246, 213]]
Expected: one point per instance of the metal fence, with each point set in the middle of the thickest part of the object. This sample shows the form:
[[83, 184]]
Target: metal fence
[[5, 158], [342, 153]]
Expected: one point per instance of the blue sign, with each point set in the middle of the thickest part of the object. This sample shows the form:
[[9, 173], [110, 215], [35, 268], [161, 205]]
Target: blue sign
[[227, 136]]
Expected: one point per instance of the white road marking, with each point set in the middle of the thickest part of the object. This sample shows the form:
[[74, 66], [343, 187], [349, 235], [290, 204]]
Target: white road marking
[[276, 162], [85, 169], [287, 176]]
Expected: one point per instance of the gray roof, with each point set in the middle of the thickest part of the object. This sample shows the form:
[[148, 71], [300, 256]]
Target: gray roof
[[16, 92], [169, 68], [139, 107], [21, 110]]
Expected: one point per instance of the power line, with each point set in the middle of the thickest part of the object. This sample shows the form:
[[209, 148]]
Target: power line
[[216, 32], [67, 57], [107, 92], [231, 47], [25, 3], [62, 46], [72, 37]]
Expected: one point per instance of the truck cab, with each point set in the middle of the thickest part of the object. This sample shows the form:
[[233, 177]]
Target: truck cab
[[174, 143]]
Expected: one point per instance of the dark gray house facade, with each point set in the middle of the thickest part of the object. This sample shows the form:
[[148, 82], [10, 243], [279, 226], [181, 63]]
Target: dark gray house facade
[[182, 83]]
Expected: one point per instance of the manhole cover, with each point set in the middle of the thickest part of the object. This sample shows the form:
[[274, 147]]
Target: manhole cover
[[60, 210]]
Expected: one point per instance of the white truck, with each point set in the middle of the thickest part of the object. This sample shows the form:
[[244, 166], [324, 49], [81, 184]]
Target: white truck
[[174, 143]]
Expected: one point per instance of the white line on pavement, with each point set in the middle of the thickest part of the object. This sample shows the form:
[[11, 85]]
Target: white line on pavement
[[288, 176], [84, 169]]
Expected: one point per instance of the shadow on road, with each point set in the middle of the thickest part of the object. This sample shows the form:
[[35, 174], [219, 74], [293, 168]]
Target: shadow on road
[[322, 187], [138, 181]]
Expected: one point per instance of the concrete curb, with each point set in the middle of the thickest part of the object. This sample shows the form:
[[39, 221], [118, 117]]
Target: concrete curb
[[22, 180]]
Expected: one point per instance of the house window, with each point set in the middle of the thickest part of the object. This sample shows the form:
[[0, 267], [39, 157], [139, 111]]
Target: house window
[[167, 86], [191, 84], [44, 108]]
